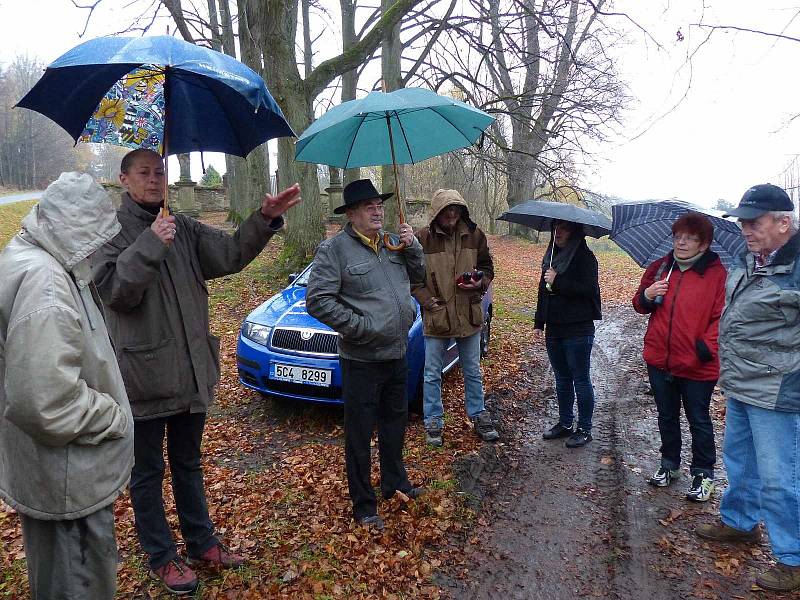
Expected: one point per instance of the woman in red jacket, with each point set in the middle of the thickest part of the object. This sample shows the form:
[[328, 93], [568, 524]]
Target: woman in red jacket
[[684, 293]]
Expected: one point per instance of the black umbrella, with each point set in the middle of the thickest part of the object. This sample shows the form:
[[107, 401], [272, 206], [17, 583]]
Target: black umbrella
[[540, 215]]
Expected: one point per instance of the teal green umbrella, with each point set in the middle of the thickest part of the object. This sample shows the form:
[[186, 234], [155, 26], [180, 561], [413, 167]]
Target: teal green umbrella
[[395, 128], [402, 127]]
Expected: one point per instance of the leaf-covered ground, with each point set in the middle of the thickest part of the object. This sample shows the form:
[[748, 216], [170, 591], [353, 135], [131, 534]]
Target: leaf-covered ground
[[275, 471]]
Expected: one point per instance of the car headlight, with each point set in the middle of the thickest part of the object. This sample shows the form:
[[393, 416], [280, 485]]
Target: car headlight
[[255, 332]]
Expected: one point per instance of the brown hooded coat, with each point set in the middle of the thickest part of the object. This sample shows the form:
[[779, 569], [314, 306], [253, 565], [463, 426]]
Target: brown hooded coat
[[447, 256]]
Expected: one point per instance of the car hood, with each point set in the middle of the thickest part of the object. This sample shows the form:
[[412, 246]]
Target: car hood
[[286, 309]]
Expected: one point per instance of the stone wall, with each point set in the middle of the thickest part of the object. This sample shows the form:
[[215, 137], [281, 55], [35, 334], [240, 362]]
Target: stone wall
[[185, 197]]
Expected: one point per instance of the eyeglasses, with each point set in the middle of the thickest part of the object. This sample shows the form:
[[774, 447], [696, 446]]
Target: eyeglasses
[[683, 237]]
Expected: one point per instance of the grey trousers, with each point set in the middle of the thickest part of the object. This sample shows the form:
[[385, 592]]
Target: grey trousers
[[72, 560]]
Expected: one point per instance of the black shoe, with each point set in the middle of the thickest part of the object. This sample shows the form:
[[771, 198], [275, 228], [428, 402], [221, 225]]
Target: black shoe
[[413, 493], [579, 438], [372, 522], [557, 431]]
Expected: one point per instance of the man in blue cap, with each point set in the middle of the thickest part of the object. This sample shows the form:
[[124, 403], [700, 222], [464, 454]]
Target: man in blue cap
[[759, 348]]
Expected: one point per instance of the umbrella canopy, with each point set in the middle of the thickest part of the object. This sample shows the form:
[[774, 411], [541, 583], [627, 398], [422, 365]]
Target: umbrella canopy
[[644, 230], [539, 215], [401, 127], [209, 101]]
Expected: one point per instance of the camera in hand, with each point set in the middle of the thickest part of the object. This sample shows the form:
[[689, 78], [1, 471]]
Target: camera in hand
[[658, 300], [470, 276]]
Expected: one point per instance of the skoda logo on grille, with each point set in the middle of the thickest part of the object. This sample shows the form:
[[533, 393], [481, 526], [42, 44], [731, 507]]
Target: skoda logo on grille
[[306, 334]]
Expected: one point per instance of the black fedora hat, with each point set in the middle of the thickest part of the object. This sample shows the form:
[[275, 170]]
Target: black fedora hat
[[358, 191]]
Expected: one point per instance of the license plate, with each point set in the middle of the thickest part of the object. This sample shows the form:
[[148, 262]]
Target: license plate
[[298, 374]]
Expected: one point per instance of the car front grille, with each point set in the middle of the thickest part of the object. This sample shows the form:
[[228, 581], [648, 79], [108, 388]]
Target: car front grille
[[320, 342], [333, 392]]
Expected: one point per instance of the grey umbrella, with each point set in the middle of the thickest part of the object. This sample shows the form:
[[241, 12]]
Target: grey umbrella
[[539, 215]]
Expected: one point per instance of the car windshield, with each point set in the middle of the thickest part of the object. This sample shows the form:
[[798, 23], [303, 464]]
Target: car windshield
[[302, 279]]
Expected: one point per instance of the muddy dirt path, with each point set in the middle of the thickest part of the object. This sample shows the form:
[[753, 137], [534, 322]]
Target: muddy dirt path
[[564, 523]]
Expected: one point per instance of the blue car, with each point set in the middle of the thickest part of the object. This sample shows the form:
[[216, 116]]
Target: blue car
[[284, 351]]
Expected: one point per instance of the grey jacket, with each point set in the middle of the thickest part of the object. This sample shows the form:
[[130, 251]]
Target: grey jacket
[[66, 429], [759, 332], [365, 297], [158, 303]]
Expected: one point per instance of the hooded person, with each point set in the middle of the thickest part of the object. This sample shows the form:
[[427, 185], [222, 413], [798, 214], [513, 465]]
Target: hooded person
[[451, 308], [66, 429]]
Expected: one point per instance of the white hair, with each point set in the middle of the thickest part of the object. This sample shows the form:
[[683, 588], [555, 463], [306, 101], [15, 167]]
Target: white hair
[[794, 222]]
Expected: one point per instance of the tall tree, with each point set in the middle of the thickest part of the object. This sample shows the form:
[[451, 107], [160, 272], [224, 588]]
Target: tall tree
[[296, 94]]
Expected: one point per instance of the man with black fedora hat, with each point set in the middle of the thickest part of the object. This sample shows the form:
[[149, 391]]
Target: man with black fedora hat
[[759, 350], [362, 290]]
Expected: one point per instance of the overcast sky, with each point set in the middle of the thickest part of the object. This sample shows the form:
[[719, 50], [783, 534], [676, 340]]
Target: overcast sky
[[698, 130]]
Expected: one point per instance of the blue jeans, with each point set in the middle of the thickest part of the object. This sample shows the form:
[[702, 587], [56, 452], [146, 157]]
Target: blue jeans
[[761, 453], [669, 393], [570, 359], [184, 433], [469, 355]]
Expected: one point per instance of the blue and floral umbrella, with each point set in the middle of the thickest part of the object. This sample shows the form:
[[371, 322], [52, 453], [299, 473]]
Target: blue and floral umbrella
[[136, 92]]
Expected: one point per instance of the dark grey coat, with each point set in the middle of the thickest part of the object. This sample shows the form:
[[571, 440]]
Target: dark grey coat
[[365, 297], [158, 303]]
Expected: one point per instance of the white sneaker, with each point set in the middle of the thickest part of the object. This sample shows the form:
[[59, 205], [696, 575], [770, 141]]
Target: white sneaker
[[663, 477], [701, 490]]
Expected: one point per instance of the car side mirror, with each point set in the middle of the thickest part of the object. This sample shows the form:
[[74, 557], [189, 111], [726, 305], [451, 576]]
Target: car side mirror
[[290, 279]]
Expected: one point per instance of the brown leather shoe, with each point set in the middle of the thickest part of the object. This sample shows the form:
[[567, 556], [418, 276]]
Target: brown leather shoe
[[176, 576], [719, 532], [780, 578], [218, 556]]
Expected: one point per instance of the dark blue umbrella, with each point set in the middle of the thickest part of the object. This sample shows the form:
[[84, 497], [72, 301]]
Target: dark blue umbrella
[[211, 101], [644, 230], [539, 215]]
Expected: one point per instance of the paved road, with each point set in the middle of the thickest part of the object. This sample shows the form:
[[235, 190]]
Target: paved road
[[20, 197]]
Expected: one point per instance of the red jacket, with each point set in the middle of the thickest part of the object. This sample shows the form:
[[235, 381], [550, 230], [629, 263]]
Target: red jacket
[[682, 333]]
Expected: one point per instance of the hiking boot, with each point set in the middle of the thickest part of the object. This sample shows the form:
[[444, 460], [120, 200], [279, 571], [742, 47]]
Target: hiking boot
[[780, 578], [719, 532], [176, 576], [701, 489], [372, 522], [663, 477], [557, 431], [433, 436], [482, 422], [217, 556], [581, 437]]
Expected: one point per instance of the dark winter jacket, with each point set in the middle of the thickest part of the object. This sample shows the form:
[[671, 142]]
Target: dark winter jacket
[[447, 256], [682, 332], [158, 303], [759, 332], [575, 294]]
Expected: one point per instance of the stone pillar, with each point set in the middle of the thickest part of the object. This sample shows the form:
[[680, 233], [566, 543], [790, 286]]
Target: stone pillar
[[334, 190], [184, 201], [184, 161]]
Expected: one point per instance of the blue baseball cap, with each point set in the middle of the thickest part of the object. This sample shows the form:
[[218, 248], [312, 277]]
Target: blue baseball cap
[[761, 199]]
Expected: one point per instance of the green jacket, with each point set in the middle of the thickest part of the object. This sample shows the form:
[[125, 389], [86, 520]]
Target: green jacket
[[158, 303], [66, 430], [365, 297], [759, 332]]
